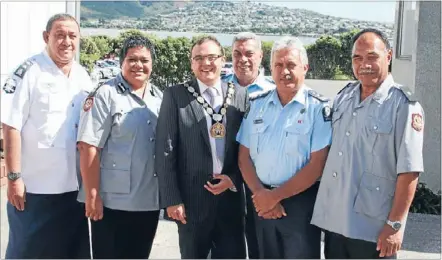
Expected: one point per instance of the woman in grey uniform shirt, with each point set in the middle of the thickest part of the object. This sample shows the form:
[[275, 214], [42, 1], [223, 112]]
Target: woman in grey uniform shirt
[[116, 139]]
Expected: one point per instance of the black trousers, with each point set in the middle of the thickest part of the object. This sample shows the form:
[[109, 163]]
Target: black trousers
[[222, 235], [51, 226], [252, 240], [124, 234], [337, 246], [292, 236]]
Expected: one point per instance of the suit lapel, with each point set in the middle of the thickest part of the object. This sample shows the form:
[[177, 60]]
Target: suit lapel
[[198, 111]]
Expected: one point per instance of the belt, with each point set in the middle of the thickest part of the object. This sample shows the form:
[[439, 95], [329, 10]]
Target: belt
[[270, 187]]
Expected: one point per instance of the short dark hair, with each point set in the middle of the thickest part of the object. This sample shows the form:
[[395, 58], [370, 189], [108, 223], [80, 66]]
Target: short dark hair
[[60, 17], [202, 39], [380, 34], [137, 41]]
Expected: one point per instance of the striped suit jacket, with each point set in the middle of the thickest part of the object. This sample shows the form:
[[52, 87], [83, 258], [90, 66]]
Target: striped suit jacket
[[183, 159]]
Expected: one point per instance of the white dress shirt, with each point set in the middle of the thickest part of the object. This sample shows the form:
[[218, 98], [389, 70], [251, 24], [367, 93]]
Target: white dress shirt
[[44, 105], [221, 90]]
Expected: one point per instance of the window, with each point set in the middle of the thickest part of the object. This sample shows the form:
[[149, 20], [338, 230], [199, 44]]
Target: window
[[406, 29]]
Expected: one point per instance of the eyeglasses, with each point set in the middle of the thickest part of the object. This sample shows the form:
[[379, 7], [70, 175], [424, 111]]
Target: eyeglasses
[[210, 58]]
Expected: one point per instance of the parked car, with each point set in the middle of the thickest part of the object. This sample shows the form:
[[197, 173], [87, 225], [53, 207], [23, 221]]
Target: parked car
[[227, 69], [104, 72], [114, 70], [113, 63]]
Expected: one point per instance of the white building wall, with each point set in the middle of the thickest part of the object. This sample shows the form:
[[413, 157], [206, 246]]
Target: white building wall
[[22, 26]]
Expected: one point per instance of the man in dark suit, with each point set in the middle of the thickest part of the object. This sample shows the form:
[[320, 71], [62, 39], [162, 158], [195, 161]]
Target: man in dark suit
[[196, 158]]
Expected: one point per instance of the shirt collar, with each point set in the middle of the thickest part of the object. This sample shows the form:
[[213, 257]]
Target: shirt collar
[[203, 87], [382, 92], [299, 97], [51, 64]]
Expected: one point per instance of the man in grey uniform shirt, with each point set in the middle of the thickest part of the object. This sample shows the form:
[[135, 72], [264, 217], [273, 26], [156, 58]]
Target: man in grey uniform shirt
[[116, 140], [372, 169]]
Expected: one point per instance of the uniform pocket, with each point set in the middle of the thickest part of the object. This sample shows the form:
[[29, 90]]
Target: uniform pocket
[[256, 138], [115, 173], [297, 140], [57, 102], [375, 196]]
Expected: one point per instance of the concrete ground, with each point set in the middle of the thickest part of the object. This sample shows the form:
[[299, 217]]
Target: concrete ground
[[422, 238]]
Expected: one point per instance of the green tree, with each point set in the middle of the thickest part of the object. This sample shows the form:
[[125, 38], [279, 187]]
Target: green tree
[[89, 53], [267, 50], [346, 49], [324, 56], [103, 43]]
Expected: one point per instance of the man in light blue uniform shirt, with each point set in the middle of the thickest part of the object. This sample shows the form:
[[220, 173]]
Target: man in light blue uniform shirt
[[284, 140], [246, 57]]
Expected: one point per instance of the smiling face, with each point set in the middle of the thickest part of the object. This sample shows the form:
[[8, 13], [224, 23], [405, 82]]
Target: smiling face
[[246, 57], [62, 41], [207, 61], [370, 60], [137, 66], [288, 71]]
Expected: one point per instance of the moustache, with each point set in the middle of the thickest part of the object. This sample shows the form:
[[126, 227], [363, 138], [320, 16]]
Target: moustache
[[366, 71]]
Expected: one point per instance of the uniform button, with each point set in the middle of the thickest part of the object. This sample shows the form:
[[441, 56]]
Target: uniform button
[[148, 122], [347, 133], [154, 175], [166, 153], [72, 104], [377, 188], [113, 165], [335, 174], [154, 156], [52, 145], [354, 113], [151, 139], [340, 153], [375, 127]]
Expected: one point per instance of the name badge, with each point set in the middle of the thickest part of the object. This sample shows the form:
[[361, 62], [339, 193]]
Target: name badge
[[258, 121]]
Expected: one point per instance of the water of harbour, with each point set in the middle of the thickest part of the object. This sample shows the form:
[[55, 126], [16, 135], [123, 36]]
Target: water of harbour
[[225, 39]]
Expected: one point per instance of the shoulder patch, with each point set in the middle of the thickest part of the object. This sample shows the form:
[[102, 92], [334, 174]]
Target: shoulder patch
[[318, 96], [21, 70], [346, 86], [260, 95], [88, 103], [10, 85], [408, 93], [327, 113]]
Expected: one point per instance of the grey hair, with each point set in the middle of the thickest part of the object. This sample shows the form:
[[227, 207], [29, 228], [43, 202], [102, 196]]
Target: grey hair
[[244, 36], [292, 43], [58, 17]]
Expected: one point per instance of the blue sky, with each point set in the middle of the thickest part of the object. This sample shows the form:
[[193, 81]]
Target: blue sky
[[379, 11]]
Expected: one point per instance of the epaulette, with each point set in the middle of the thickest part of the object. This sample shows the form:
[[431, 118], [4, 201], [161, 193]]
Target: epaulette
[[261, 95], [346, 86], [318, 96], [21, 70], [408, 93]]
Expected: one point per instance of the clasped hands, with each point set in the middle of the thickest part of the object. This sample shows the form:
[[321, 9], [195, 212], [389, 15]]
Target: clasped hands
[[267, 204]]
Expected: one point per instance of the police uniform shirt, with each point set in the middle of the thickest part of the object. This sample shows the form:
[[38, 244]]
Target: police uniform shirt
[[373, 141], [115, 119], [43, 104], [281, 139], [259, 86]]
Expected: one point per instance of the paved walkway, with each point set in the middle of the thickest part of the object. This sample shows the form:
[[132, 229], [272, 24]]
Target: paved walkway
[[422, 240]]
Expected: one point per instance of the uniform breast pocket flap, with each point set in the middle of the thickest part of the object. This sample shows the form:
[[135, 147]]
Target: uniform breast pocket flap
[[296, 139], [115, 173], [380, 127], [375, 196]]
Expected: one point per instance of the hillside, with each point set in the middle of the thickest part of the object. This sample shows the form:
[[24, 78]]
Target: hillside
[[217, 16]]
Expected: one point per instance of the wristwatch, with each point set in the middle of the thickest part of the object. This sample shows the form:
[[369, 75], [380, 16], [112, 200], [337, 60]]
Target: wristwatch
[[12, 176], [396, 225]]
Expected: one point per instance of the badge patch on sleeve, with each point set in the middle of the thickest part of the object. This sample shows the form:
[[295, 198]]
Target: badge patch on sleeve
[[417, 122], [326, 113], [88, 104], [9, 86]]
